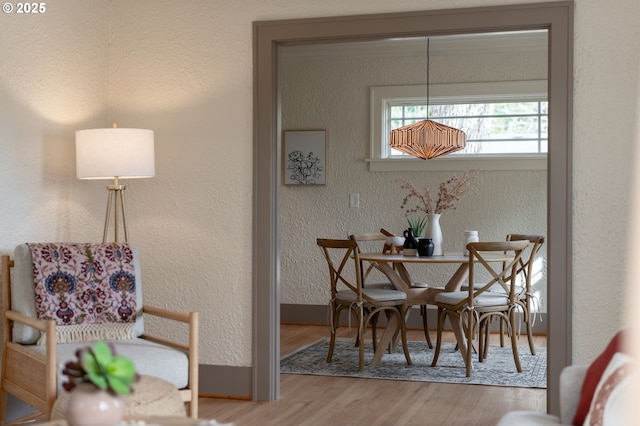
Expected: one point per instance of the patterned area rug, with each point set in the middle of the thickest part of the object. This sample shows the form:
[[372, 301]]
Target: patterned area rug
[[498, 370]]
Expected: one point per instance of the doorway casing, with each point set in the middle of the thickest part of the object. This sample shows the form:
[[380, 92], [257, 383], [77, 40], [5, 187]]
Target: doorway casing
[[555, 17]]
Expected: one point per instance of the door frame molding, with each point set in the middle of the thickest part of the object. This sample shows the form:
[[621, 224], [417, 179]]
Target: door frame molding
[[556, 17]]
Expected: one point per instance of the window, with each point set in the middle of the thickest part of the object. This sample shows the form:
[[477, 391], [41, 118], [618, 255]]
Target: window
[[503, 121]]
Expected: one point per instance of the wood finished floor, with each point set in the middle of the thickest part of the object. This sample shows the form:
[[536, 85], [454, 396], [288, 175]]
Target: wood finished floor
[[318, 400]]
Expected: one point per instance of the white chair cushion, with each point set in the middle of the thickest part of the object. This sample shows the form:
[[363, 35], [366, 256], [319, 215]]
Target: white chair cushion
[[23, 298], [379, 295], [385, 285], [485, 299], [496, 288], [149, 358]]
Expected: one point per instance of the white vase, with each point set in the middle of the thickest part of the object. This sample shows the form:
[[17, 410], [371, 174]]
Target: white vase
[[434, 232], [87, 405]]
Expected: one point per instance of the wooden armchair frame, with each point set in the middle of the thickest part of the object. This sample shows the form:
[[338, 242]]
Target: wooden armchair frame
[[32, 377]]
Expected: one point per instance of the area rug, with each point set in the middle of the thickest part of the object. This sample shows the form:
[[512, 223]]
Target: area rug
[[497, 370]]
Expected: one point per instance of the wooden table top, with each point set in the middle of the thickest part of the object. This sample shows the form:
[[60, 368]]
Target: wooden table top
[[446, 258]]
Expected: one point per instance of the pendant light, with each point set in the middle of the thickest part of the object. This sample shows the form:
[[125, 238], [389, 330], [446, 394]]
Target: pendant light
[[427, 139]]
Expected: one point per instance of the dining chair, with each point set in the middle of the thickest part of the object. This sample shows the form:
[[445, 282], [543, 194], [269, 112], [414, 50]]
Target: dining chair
[[348, 293], [524, 295], [371, 241], [363, 241], [525, 298], [473, 308]]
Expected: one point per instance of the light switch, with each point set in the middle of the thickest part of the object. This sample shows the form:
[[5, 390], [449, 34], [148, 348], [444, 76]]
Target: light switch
[[354, 201]]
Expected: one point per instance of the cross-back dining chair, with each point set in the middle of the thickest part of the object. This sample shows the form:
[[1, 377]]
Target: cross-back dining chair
[[476, 306], [524, 297], [372, 241], [380, 238], [524, 293], [347, 292]]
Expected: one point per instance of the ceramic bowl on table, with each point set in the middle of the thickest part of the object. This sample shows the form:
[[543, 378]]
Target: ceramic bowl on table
[[395, 241]]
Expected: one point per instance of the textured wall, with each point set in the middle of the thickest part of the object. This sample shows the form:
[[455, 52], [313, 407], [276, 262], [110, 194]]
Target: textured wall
[[53, 81], [602, 179], [184, 69], [333, 94], [175, 68]]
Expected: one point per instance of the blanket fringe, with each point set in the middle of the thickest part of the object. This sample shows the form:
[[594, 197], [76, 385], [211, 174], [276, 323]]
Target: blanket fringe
[[91, 332]]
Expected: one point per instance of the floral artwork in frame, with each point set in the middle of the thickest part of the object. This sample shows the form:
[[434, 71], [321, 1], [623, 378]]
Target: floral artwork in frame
[[305, 157]]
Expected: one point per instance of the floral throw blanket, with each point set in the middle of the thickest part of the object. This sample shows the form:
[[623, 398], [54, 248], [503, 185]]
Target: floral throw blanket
[[88, 289]]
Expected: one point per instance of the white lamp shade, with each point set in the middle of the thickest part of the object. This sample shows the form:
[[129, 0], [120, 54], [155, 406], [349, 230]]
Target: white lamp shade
[[114, 152]]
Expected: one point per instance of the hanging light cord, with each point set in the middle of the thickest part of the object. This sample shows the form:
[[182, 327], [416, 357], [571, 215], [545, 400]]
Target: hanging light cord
[[427, 78]]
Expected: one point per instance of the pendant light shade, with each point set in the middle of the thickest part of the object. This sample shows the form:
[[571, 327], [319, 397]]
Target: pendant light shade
[[427, 139]]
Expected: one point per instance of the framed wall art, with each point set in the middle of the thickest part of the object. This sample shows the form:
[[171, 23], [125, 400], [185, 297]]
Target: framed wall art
[[305, 157]]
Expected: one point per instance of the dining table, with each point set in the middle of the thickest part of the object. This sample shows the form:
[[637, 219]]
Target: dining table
[[394, 266]]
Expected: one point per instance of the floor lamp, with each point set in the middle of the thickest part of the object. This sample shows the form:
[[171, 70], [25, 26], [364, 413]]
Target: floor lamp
[[115, 153]]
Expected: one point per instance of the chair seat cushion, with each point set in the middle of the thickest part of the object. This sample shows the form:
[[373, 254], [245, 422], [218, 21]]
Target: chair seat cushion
[[496, 288], [385, 285], [378, 295], [485, 299], [149, 358]]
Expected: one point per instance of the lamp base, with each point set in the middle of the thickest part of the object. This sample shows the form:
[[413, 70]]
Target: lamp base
[[115, 197]]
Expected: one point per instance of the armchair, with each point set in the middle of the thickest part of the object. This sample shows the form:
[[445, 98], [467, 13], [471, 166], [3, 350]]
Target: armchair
[[36, 344]]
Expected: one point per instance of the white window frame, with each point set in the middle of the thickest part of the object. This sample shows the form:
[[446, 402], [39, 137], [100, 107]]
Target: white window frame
[[382, 96]]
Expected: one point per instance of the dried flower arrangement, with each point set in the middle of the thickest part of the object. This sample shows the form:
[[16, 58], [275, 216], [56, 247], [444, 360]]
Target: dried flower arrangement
[[450, 192]]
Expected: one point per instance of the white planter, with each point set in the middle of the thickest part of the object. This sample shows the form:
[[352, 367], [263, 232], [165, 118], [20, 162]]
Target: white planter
[[87, 405]]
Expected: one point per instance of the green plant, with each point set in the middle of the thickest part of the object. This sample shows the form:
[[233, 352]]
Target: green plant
[[418, 224], [101, 367]]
